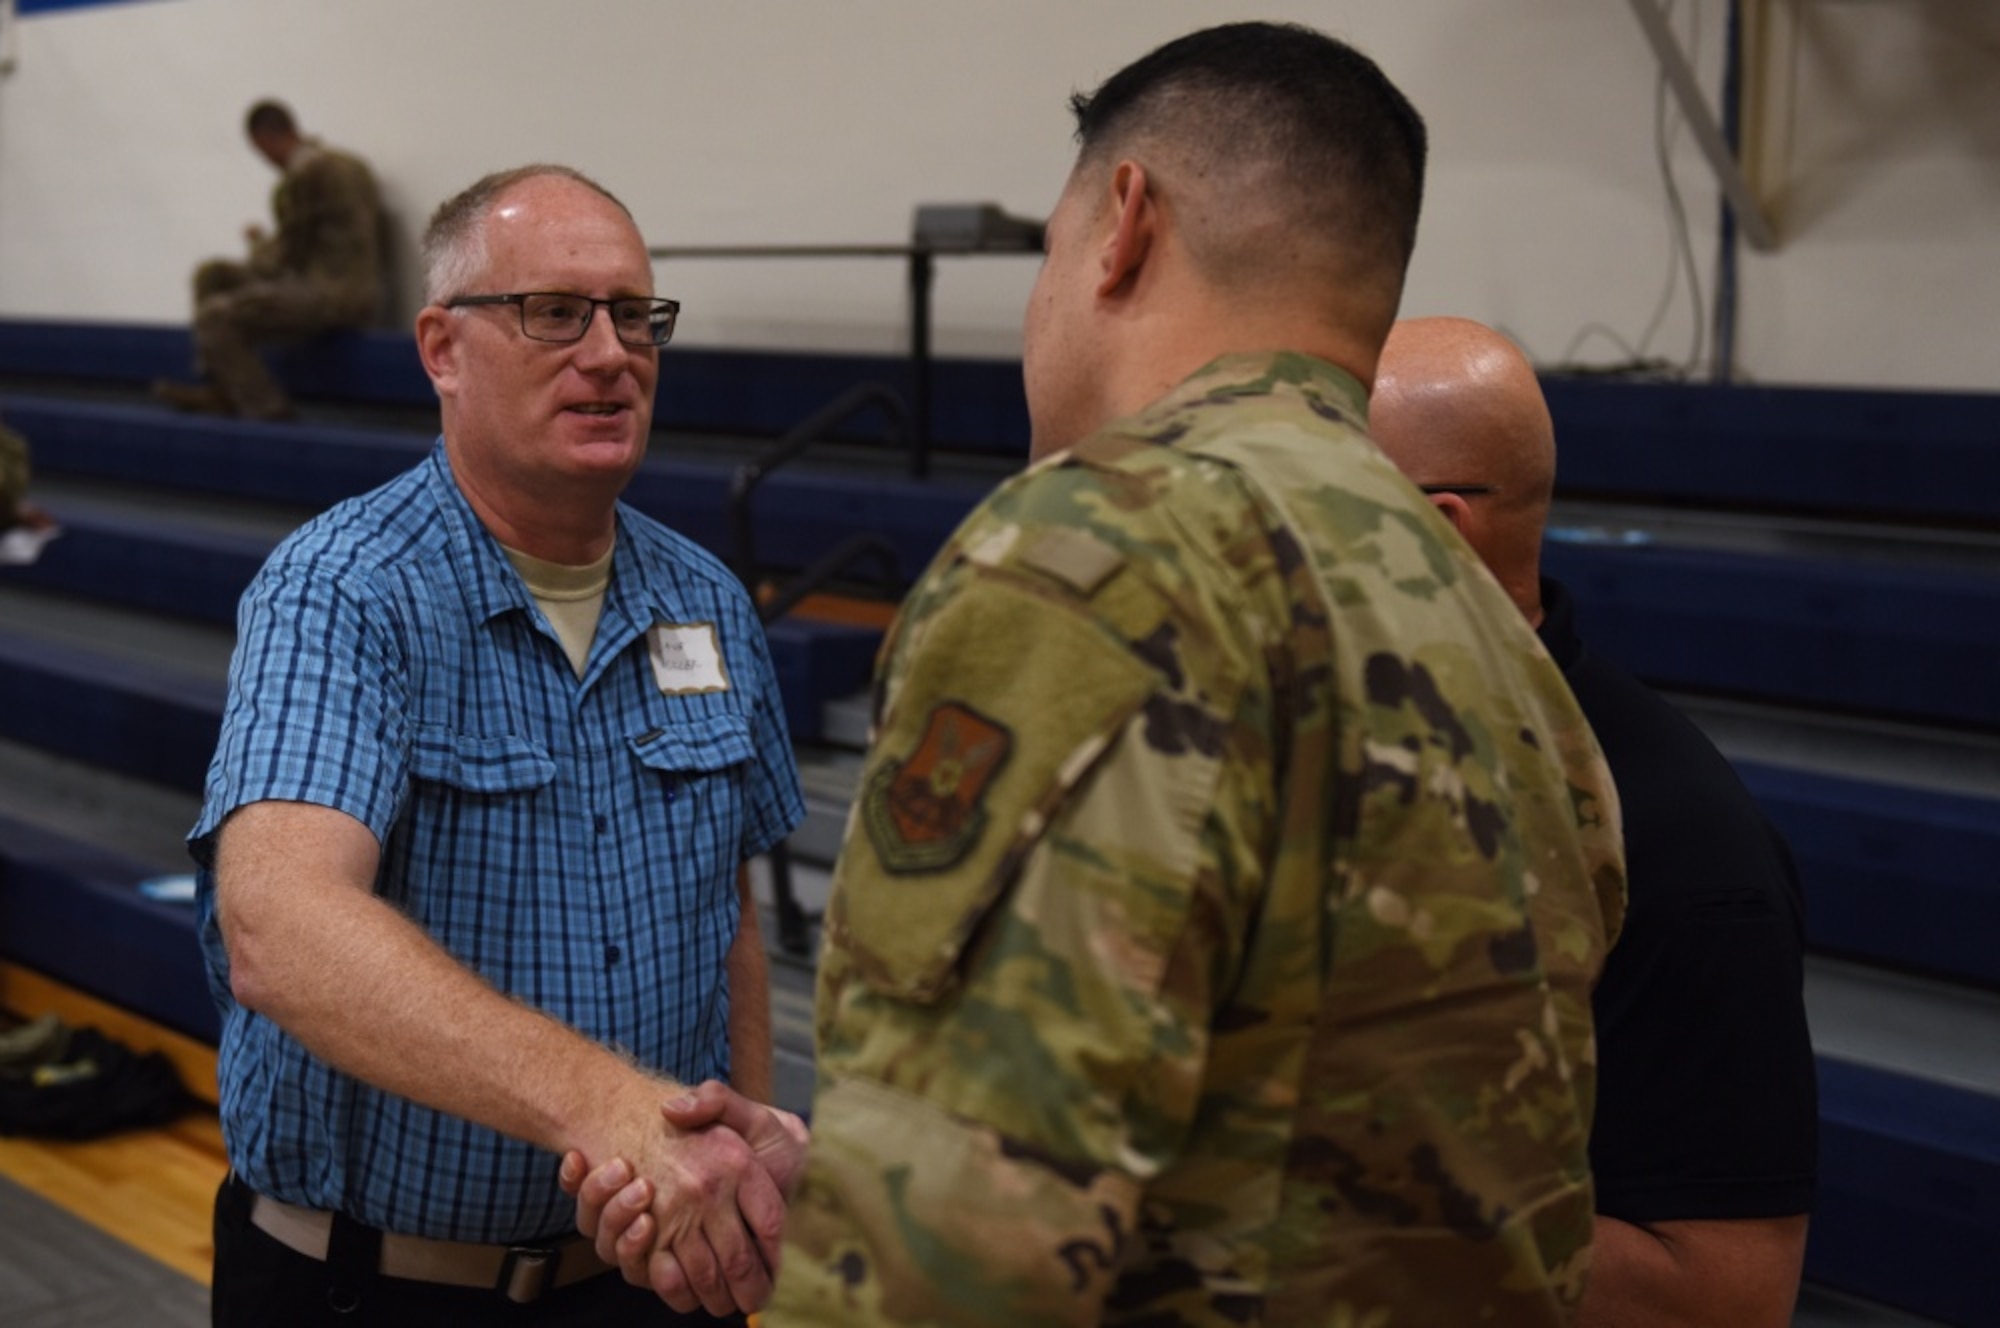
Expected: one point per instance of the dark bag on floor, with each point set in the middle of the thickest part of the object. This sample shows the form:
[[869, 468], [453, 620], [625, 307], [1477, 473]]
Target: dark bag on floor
[[95, 1086]]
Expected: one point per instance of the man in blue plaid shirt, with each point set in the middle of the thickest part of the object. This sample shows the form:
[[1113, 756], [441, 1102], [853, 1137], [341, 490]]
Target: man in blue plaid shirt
[[496, 750]]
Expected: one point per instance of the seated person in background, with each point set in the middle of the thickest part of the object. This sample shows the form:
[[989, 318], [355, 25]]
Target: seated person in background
[[322, 270], [14, 474], [17, 514], [1705, 1136]]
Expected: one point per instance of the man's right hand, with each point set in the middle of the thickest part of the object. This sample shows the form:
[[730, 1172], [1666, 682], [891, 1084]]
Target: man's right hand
[[622, 1213], [715, 1220]]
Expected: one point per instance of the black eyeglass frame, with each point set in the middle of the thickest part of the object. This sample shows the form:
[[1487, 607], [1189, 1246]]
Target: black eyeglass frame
[[1463, 490], [654, 308]]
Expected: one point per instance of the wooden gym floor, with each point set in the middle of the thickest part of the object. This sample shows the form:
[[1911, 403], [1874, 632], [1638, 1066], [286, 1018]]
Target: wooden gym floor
[[152, 1189]]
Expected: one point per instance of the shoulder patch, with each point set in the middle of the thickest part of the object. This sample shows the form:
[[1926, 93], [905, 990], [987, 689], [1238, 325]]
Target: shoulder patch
[[923, 812], [1075, 557]]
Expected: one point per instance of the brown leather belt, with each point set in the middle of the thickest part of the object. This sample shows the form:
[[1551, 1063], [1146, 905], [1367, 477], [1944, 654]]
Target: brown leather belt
[[521, 1273]]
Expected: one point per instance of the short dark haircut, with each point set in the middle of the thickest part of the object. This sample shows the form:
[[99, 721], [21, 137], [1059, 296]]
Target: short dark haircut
[[453, 246], [1318, 109], [270, 117]]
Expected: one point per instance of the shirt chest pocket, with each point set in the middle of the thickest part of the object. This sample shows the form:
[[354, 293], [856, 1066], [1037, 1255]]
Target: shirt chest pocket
[[699, 764], [477, 764]]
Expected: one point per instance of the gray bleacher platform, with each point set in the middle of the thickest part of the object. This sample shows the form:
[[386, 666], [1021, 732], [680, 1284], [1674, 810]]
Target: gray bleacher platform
[[1838, 643]]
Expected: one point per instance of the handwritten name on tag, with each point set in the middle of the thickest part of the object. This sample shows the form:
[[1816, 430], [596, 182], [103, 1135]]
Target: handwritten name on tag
[[687, 658]]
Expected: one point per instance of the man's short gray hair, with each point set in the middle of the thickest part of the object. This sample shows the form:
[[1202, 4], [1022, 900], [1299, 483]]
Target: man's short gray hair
[[454, 243]]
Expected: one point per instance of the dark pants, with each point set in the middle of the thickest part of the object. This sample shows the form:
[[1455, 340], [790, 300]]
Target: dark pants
[[236, 311], [260, 1282]]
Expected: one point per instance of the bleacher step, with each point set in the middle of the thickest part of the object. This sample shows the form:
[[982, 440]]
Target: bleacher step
[[1945, 760], [1868, 636], [74, 911], [133, 637], [1573, 521], [109, 502], [1905, 1025], [827, 777], [846, 719], [88, 803], [1822, 1307]]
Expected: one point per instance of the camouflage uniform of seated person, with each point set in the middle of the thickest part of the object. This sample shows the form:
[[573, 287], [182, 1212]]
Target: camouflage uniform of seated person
[[13, 476], [319, 272], [15, 509]]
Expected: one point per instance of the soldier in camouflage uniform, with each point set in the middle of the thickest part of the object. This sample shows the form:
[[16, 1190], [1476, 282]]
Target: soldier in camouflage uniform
[[1213, 940], [321, 270]]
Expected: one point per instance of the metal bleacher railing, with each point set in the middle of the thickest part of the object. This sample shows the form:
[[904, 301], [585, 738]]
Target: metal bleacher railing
[[810, 432], [794, 924]]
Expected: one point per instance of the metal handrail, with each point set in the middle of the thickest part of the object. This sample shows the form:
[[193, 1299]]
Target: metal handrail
[[803, 435], [835, 561], [794, 923]]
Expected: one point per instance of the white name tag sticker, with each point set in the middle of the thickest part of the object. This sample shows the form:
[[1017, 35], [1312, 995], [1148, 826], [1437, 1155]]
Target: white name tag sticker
[[686, 658]]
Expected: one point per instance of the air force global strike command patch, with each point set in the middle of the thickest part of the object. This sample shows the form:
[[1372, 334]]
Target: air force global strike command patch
[[923, 812]]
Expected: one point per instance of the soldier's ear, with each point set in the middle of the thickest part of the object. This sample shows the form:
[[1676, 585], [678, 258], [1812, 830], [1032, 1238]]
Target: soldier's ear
[[1455, 509], [1134, 221], [438, 348]]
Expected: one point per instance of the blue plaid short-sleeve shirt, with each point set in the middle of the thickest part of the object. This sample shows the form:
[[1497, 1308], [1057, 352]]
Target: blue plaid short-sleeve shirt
[[574, 841]]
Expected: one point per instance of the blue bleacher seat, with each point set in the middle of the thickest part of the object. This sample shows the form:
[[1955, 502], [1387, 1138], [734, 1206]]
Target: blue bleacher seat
[[150, 448], [800, 514], [1888, 638], [1899, 875], [141, 719], [978, 405], [1901, 454], [75, 912], [164, 567], [1908, 1210], [816, 664]]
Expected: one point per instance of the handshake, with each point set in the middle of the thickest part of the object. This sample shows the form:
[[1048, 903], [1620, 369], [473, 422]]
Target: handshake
[[698, 1212]]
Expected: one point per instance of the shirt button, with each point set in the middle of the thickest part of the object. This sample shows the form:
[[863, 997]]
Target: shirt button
[[598, 821], [612, 954]]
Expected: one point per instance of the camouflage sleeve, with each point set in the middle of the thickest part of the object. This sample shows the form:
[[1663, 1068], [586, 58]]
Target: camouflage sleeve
[[1028, 928], [330, 219]]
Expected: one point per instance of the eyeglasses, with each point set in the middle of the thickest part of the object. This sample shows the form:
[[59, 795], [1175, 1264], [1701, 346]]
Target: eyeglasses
[[554, 316], [1464, 490]]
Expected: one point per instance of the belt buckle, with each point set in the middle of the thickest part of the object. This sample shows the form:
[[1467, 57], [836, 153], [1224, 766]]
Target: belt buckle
[[528, 1272]]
